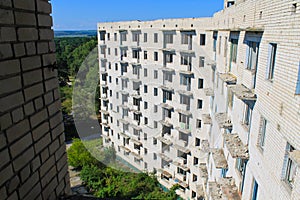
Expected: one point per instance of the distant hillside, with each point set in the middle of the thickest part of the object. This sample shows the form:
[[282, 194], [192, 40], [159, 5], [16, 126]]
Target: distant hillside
[[89, 33]]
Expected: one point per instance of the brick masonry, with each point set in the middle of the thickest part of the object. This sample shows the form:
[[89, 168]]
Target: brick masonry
[[31, 151]]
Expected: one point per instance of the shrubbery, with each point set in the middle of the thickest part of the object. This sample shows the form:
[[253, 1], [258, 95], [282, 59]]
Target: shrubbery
[[107, 182]]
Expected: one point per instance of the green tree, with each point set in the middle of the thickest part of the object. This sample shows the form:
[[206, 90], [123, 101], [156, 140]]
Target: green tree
[[78, 155]]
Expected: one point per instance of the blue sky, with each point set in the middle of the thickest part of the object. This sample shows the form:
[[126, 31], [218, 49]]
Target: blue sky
[[84, 14]]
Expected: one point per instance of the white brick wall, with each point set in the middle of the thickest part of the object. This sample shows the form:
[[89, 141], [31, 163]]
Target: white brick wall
[[32, 148]]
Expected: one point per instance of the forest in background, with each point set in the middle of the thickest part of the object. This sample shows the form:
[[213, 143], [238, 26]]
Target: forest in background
[[71, 54]]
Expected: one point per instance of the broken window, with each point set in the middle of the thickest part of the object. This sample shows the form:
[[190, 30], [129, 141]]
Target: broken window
[[234, 49], [271, 61], [262, 133], [289, 166], [251, 55]]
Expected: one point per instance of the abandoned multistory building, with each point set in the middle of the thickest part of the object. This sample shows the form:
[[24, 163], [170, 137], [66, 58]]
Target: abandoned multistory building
[[209, 103]]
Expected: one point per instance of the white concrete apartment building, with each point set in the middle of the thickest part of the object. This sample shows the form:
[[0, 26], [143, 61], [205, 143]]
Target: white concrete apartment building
[[212, 104]]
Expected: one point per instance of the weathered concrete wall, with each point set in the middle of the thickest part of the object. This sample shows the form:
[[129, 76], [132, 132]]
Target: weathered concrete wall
[[32, 150]]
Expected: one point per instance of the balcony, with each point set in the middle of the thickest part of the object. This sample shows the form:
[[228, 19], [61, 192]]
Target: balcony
[[209, 92], [166, 106], [187, 71], [189, 51], [166, 122], [235, 146], [182, 143], [164, 140], [136, 62], [168, 50], [136, 155], [103, 96], [165, 173], [167, 69], [184, 107], [206, 119], [182, 149], [107, 138], [125, 149], [223, 120], [219, 158], [135, 141], [123, 121], [180, 177], [185, 87], [169, 89], [184, 128], [205, 146], [242, 92], [105, 112], [186, 93], [224, 188], [228, 78], [164, 157], [203, 171]]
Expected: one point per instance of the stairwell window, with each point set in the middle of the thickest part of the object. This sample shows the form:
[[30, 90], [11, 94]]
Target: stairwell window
[[155, 74], [298, 82], [145, 37], [289, 167], [197, 142], [200, 83], [155, 92], [115, 36], [200, 104], [215, 38], [262, 133], [234, 49], [271, 61], [201, 61], [155, 37], [199, 123], [155, 56], [202, 39], [145, 55]]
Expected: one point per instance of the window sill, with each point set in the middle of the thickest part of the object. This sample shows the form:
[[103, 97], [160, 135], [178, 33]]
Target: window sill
[[252, 71], [245, 127], [287, 186], [260, 149]]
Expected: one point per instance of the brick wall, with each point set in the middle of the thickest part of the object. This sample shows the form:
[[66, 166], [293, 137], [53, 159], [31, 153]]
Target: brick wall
[[32, 150]]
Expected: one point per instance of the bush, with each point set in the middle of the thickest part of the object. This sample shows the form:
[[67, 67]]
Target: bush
[[79, 156]]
